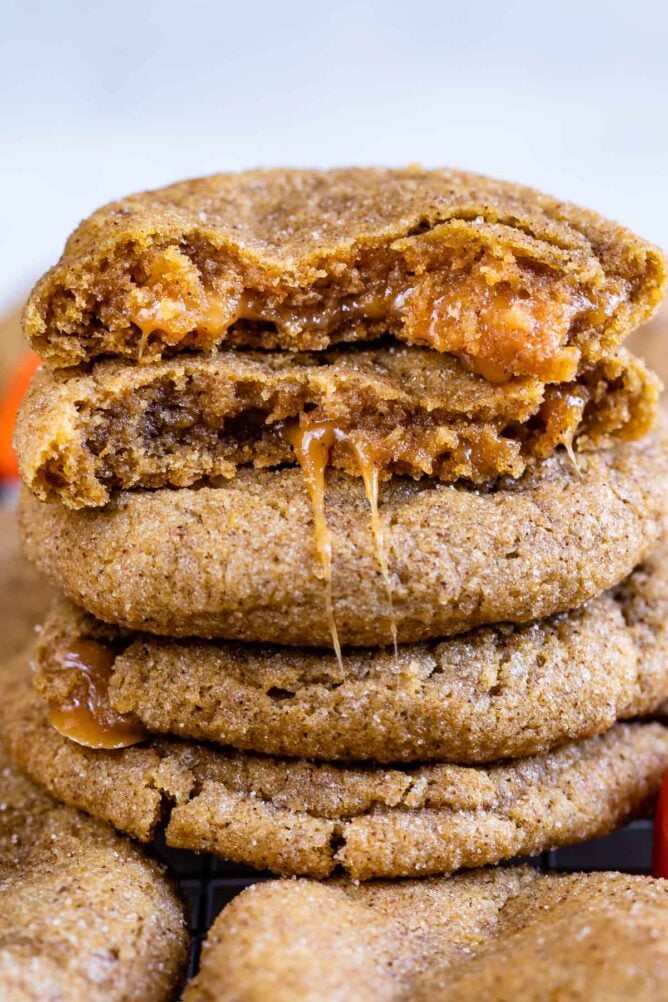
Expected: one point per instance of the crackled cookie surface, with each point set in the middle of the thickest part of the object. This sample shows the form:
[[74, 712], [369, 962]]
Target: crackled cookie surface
[[498, 692], [84, 915], [295, 817], [387, 410], [247, 564], [501, 935], [511, 280]]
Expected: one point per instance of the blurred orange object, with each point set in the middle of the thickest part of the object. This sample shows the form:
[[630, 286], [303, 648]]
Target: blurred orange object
[[660, 844], [9, 405]]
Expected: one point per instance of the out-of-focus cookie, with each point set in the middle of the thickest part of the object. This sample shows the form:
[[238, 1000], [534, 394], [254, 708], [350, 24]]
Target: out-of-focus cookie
[[25, 596], [497, 692], [501, 935], [295, 817], [84, 914]]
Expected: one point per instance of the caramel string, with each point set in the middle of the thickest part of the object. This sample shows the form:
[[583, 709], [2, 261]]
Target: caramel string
[[368, 467], [312, 445]]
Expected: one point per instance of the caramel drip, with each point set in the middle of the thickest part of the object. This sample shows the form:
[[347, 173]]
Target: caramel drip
[[562, 412], [367, 463], [312, 444], [85, 715]]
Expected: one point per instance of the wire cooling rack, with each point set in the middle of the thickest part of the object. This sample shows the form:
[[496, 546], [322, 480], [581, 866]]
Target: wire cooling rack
[[208, 884]]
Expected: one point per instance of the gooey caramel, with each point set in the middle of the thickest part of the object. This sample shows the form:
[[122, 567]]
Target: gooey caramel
[[312, 442], [501, 315], [84, 715], [562, 412]]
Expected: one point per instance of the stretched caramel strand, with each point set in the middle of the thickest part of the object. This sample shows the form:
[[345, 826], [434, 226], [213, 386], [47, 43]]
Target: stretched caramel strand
[[562, 412], [367, 463], [86, 716], [312, 444]]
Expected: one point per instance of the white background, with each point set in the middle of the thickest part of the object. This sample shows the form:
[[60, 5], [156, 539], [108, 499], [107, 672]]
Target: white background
[[98, 99]]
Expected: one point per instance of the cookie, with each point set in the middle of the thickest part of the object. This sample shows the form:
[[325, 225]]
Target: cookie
[[499, 692], [241, 559], [514, 281], [387, 410], [24, 595], [84, 914], [294, 817], [503, 935]]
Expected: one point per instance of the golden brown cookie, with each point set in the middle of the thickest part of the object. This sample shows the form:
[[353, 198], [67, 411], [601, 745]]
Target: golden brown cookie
[[498, 692], [392, 409], [84, 914], [239, 560], [503, 935], [24, 595], [510, 279], [295, 817]]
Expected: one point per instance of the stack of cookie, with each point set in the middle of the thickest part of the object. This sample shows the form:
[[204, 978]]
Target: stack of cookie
[[356, 505]]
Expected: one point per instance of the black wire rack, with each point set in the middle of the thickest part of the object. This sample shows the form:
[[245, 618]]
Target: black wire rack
[[208, 884]]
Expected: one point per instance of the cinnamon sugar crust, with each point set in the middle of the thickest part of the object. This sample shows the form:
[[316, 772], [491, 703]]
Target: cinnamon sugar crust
[[512, 281], [175, 422]]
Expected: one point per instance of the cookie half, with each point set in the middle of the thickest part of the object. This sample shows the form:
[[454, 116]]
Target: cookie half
[[241, 559], [295, 817], [514, 281], [84, 914], [385, 411], [502, 934], [498, 692]]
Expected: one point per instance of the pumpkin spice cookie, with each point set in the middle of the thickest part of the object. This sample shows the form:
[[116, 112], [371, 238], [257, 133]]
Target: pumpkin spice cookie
[[24, 595], [386, 411], [501, 934], [242, 559], [509, 279], [295, 817], [84, 915], [499, 692]]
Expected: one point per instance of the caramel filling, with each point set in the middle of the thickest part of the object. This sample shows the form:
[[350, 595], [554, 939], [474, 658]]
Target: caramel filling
[[84, 715], [368, 463], [502, 315], [312, 443]]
